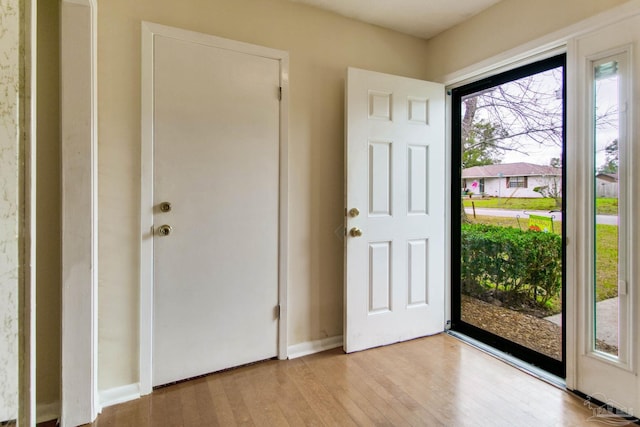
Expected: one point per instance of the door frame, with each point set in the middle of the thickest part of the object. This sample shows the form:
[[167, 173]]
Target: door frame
[[149, 30], [79, 159], [561, 41], [549, 364]]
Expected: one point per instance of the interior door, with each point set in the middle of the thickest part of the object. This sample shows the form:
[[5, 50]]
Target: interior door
[[395, 220], [608, 69], [216, 193]]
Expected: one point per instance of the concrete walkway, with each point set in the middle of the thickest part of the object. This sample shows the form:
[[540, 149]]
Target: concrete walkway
[[557, 216], [606, 321]]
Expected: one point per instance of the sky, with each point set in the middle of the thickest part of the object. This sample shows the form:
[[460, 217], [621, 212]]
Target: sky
[[542, 97]]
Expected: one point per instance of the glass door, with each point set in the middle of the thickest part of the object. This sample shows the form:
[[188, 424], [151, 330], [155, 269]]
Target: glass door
[[508, 229]]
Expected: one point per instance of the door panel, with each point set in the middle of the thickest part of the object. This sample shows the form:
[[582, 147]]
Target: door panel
[[216, 151], [394, 278]]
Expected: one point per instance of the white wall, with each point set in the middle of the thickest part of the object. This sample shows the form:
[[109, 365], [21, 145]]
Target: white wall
[[9, 208]]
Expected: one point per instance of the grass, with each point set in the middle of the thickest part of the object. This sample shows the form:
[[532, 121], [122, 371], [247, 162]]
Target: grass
[[606, 261], [606, 253], [604, 205]]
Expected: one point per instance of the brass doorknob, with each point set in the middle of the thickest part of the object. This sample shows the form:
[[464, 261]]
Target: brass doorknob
[[165, 207], [354, 212], [165, 230], [355, 232]]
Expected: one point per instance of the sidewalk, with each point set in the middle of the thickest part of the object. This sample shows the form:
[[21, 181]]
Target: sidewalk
[[557, 216], [607, 321]]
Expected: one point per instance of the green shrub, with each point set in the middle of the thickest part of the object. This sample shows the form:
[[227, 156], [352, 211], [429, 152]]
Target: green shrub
[[516, 264]]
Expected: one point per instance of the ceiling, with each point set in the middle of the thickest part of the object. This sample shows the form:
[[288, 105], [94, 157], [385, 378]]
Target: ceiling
[[421, 18]]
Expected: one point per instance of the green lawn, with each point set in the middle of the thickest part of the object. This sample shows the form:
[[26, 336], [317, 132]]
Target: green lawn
[[606, 261], [606, 251], [604, 206], [607, 206]]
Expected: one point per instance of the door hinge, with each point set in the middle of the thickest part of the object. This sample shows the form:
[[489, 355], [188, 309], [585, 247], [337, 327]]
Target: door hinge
[[280, 93], [278, 311]]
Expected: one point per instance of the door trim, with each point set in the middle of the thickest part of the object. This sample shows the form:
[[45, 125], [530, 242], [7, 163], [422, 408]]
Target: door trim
[[149, 30], [79, 157]]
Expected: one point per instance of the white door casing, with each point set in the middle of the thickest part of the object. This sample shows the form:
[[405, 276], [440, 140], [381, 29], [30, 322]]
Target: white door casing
[[79, 204], [612, 380], [213, 148], [395, 166]]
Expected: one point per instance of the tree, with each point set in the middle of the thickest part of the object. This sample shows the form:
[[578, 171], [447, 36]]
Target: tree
[[611, 160], [478, 147], [552, 189], [524, 111]]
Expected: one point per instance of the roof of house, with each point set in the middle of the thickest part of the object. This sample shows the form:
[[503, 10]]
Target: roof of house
[[609, 177], [510, 169]]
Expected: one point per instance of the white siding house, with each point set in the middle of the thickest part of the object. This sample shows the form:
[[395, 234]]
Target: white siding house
[[511, 179]]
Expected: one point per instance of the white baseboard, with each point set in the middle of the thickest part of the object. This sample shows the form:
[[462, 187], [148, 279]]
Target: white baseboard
[[310, 347], [113, 396], [47, 411]]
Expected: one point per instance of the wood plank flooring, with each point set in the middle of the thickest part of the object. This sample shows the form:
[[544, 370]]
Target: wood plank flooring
[[433, 381]]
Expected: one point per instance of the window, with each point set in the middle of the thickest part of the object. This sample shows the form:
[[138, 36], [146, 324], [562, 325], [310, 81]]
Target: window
[[517, 182]]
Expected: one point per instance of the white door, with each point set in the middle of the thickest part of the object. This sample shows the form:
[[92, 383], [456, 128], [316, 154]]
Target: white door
[[395, 221], [216, 162], [608, 351]]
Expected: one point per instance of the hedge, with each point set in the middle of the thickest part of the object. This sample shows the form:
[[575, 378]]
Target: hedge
[[516, 264]]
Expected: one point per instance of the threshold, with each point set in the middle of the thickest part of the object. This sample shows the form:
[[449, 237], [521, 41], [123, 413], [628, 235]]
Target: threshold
[[528, 368]]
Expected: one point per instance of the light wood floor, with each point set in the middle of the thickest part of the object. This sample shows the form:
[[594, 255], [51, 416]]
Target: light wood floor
[[431, 381]]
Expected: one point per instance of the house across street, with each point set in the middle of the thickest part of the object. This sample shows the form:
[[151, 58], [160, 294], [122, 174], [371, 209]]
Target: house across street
[[511, 179]]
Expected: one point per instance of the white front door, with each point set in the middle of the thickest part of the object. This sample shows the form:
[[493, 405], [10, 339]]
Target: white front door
[[395, 221], [608, 351], [215, 206]]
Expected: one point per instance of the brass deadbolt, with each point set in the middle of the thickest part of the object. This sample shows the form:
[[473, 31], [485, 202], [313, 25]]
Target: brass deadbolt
[[165, 207]]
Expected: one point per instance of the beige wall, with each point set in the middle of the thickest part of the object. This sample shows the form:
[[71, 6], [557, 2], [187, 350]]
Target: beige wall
[[48, 283], [506, 25], [321, 46]]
